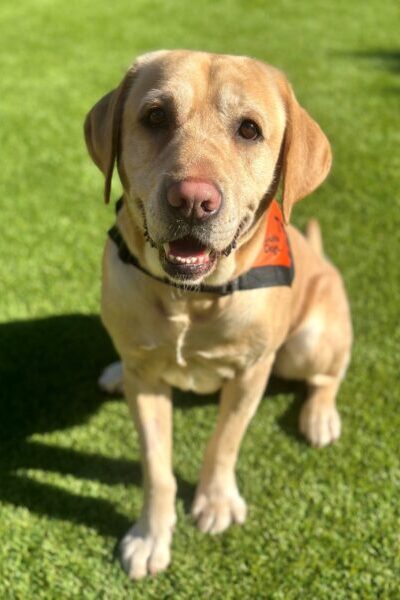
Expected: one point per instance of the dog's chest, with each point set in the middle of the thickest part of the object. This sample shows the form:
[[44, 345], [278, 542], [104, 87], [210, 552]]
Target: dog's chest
[[191, 342], [197, 345]]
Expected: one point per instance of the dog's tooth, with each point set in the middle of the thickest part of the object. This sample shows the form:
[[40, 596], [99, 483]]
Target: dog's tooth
[[186, 260]]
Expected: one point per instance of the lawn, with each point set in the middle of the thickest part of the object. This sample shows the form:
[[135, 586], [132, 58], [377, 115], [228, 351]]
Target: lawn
[[322, 524]]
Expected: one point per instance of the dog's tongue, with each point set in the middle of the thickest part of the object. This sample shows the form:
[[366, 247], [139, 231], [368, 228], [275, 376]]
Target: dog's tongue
[[186, 247]]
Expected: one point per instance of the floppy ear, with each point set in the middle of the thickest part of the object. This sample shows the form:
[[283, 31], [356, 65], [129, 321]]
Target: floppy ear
[[102, 129], [306, 153]]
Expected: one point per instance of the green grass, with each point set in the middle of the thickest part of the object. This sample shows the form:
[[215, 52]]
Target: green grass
[[322, 524]]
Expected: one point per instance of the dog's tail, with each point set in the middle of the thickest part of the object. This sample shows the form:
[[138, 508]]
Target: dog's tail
[[314, 236]]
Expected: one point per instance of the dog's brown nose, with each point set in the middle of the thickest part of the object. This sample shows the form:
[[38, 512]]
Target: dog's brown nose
[[194, 198]]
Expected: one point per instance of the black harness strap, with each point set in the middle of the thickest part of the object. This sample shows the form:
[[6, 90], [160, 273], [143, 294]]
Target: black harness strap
[[255, 278]]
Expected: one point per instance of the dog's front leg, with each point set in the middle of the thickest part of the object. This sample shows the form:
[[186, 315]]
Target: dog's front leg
[[145, 549], [217, 502]]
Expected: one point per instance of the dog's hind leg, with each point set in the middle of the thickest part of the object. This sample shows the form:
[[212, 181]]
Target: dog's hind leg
[[319, 418], [318, 351]]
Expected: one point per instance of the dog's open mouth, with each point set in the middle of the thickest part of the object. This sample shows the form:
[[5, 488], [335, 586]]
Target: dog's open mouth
[[187, 258]]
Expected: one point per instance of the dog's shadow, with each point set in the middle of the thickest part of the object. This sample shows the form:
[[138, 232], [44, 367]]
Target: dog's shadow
[[48, 373]]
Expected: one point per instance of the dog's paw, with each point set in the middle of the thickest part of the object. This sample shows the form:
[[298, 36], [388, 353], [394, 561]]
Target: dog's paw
[[214, 511], [320, 424], [111, 380], [143, 552]]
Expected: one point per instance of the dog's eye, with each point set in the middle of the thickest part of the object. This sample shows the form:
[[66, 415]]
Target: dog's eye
[[249, 130], [156, 117]]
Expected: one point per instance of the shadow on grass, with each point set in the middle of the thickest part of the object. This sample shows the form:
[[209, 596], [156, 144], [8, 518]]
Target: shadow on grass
[[382, 58], [49, 369], [289, 420], [48, 372], [379, 58]]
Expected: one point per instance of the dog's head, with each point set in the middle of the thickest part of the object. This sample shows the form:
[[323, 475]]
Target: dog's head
[[201, 142]]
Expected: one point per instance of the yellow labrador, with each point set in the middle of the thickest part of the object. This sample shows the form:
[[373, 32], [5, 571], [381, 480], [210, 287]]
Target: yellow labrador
[[201, 142]]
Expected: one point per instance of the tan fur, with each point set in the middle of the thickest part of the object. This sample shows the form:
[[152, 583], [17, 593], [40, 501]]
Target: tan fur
[[314, 236], [203, 342]]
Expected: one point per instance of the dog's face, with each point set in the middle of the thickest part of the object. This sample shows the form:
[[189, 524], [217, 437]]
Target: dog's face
[[201, 141]]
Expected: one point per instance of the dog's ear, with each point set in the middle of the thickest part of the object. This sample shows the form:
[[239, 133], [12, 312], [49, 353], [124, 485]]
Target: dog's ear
[[102, 129], [306, 152]]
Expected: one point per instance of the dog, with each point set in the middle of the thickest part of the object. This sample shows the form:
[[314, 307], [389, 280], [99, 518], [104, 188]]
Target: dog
[[206, 286]]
